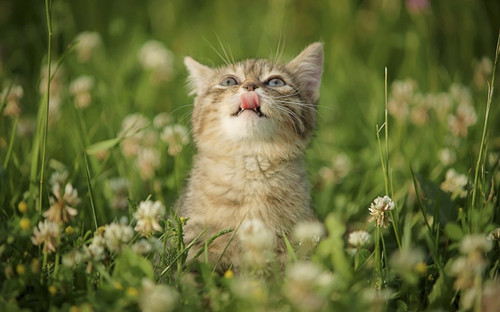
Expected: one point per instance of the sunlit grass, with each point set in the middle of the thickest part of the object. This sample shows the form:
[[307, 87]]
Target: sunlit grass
[[100, 126]]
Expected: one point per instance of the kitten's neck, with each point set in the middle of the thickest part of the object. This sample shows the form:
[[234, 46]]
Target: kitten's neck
[[251, 163]]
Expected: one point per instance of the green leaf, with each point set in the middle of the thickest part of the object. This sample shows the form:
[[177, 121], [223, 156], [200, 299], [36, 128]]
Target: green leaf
[[131, 268], [333, 247], [436, 202], [454, 231], [103, 145]]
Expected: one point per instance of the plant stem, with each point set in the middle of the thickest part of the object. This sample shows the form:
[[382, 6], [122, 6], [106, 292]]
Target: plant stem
[[491, 86], [48, 6]]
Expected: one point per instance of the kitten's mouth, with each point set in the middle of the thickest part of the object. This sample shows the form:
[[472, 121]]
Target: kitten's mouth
[[250, 101], [256, 110]]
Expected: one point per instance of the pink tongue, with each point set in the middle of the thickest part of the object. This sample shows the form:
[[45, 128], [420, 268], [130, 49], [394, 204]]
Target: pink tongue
[[250, 100]]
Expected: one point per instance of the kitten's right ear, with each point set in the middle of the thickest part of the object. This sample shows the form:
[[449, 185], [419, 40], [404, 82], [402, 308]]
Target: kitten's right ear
[[198, 74]]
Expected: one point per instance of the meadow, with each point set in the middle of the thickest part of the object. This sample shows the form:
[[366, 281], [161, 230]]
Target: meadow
[[95, 149]]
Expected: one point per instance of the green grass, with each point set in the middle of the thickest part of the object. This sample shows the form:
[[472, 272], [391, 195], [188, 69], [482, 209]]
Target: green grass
[[407, 97]]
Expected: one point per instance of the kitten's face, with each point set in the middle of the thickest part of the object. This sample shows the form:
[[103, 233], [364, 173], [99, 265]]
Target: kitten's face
[[256, 103]]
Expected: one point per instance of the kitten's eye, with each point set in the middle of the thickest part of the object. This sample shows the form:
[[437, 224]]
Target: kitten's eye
[[229, 81], [276, 82]]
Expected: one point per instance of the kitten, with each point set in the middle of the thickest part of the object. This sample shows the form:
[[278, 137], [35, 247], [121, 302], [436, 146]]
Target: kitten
[[251, 124]]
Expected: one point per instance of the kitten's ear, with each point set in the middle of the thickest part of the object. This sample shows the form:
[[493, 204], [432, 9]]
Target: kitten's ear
[[198, 74], [307, 67]]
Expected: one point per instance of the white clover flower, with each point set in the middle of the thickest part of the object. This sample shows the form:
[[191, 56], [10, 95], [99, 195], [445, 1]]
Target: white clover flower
[[47, 233], [154, 56], [475, 242], [306, 285], [147, 215], [117, 235], [13, 98], [406, 260], [119, 187], [359, 239], [144, 246], [402, 93], [379, 211], [157, 298], [161, 120], [455, 184], [80, 89], [254, 233], [257, 240], [464, 117], [308, 232], [72, 258], [482, 71], [88, 42], [61, 210], [176, 136], [148, 160], [132, 128], [59, 177], [447, 156], [248, 288], [494, 235], [96, 250], [377, 299]]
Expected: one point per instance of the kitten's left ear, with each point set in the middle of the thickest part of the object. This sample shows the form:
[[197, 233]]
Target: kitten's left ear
[[307, 67], [198, 74]]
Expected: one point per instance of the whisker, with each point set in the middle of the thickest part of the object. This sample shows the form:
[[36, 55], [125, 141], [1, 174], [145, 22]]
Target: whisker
[[217, 52], [224, 49]]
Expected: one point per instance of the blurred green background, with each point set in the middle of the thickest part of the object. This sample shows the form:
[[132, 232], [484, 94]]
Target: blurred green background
[[435, 43]]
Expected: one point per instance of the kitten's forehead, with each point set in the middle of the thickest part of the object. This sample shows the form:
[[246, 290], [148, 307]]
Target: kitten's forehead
[[253, 68]]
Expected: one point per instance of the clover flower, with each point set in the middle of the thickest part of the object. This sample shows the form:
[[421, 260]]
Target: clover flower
[[470, 265], [465, 116], [359, 239], [117, 235], [148, 160], [161, 120], [339, 169], [307, 286], [247, 287], [494, 235], [80, 89], [307, 234], [147, 215], [176, 136], [257, 240], [119, 188], [157, 298], [96, 251], [12, 95], [72, 258], [88, 42], [132, 126], [46, 233], [379, 211], [402, 93], [482, 71], [455, 184], [61, 210], [155, 57]]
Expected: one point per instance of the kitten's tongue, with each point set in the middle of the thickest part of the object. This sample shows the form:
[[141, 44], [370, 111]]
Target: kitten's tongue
[[249, 100]]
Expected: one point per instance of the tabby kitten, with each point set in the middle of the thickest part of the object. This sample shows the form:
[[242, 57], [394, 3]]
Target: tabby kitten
[[251, 124]]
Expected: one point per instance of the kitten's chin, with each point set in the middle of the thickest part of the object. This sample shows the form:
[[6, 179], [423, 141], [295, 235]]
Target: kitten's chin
[[249, 125]]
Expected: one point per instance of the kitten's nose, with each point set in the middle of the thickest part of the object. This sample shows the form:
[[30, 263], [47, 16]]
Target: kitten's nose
[[250, 85]]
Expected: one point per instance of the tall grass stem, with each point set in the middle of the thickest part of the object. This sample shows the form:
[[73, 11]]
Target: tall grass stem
[[479, 162]]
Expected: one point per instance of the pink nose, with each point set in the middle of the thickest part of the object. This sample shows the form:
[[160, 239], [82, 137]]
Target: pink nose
[[250, 100]]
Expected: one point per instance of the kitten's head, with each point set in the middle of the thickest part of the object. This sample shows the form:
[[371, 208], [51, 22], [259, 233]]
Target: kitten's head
[[256, 106]]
